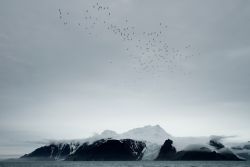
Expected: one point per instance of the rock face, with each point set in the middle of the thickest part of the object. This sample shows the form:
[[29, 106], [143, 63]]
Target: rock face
[[50, 152], [167, 151], [195, 153], [126, 150], [216, 144], [109, 150], [196, 156], [100, 150], [202, 153]]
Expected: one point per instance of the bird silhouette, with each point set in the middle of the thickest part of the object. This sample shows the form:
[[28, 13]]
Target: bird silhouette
[[150, 49]]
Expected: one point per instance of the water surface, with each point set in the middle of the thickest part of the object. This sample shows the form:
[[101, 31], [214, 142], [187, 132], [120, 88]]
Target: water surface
[[127, 164]]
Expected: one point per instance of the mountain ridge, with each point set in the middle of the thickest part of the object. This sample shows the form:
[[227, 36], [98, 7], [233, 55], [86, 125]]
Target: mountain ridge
[[154, 138]]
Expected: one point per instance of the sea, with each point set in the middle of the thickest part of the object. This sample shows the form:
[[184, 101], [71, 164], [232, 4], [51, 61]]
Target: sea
[[126, 164]]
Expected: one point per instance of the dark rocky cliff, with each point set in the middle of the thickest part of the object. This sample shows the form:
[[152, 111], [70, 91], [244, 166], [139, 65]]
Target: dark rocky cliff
[[167, 151], [50, 152], [100, 150], [109, 150]]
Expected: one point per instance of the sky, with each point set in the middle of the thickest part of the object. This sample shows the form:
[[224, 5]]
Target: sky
[[64, 78]]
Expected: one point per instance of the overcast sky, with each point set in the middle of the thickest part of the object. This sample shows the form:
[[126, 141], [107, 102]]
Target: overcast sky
[[60, 82]]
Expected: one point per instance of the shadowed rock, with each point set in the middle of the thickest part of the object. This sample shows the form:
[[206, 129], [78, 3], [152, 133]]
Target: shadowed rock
[[50, 152], [202, 153], [109, 150], [216, 144], [167, 151]]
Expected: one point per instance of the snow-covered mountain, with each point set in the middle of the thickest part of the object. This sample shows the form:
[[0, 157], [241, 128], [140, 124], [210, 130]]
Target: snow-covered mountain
[[100, 150], [149, 139], [126, 150], [154, 134]]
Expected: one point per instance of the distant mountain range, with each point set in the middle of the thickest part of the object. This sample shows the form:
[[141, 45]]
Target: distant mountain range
[[144, 143]]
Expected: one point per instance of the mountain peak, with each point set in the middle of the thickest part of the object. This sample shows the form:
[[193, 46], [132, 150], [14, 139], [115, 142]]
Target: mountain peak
[[150, 128], [150, 133], [109, 133], [154, 127], [154, 134]]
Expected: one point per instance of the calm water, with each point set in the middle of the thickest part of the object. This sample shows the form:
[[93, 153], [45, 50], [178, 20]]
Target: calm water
[[127, 164]]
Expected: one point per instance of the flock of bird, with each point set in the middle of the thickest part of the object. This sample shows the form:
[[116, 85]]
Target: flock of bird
[[149, 51]]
